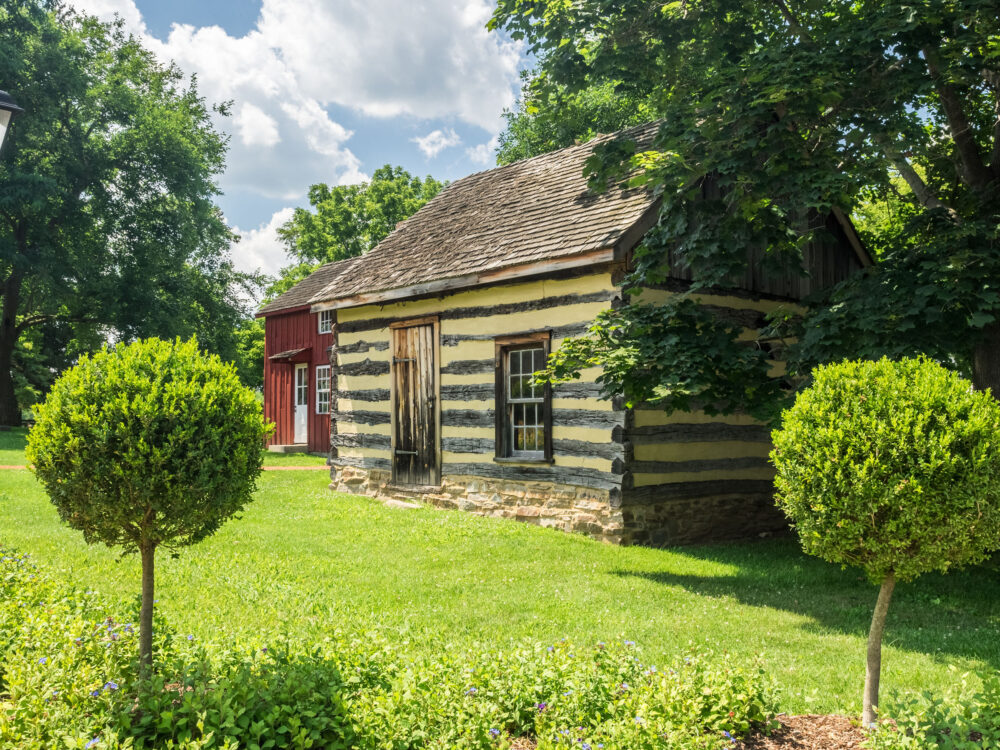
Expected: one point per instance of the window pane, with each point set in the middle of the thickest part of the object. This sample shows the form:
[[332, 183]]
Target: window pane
[[538, 359], [529, 439], [519, 414], [515, 386]]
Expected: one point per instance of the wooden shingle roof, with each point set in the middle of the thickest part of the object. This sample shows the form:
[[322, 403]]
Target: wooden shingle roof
[[519, 215]]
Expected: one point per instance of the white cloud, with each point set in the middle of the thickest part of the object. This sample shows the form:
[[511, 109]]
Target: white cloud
[[432, 60], [385, 58], [260, 248], [484, 153], [437, 141], [256, 127]]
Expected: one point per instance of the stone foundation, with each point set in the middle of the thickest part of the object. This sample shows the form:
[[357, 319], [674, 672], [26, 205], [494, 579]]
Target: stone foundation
[[698, 520], [557, 506], [597, 513]]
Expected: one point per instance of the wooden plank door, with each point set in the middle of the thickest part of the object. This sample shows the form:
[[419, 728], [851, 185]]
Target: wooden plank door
[[415, 419]]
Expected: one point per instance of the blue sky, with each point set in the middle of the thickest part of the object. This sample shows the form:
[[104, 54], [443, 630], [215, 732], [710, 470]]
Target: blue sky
[[329, 90]]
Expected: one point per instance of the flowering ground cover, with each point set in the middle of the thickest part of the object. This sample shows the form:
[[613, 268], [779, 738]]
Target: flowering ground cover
[[305, 563], [69, 678]]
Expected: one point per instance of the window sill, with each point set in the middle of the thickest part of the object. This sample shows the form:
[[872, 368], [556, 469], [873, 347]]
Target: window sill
[[522, 460]]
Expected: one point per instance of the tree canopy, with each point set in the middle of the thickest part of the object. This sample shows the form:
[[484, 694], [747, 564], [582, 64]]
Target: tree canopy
[[889, 111], [108, 222], [347, 220], [893, 467], [150, 444], [547, 118]]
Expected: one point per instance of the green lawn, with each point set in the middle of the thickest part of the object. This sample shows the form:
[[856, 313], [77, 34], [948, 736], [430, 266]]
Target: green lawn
[[293, 459], [12, 452], [12, 446], [305, 561]]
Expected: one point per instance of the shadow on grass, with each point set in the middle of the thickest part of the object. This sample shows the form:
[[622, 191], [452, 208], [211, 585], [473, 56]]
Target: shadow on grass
[[957, 614]]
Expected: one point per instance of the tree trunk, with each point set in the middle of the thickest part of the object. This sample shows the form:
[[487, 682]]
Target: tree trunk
[[147, 551], [10, 413], [873, 670], [986, 361]]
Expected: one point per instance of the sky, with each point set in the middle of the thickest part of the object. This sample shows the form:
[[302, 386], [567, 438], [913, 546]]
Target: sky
[[329, 90]]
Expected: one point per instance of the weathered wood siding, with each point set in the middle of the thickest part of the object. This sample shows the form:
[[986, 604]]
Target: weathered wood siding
[[583, 424], [691, 454], [283, 332], [827, 260]]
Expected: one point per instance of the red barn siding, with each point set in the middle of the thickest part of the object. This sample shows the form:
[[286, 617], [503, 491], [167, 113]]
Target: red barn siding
[[284, 331]]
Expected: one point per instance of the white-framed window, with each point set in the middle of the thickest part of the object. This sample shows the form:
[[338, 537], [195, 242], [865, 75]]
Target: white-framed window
[[525, 429], [302, 386], [323, 389], [325, 318]]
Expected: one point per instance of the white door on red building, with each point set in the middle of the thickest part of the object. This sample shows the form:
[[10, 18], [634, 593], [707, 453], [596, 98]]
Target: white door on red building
[[301, 403]]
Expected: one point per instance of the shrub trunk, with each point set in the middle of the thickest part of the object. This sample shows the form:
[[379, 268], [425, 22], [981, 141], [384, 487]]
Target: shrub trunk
[[873, 670], [147, 551]]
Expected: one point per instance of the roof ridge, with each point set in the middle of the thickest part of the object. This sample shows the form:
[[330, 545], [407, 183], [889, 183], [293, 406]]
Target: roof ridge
[[499, 217]]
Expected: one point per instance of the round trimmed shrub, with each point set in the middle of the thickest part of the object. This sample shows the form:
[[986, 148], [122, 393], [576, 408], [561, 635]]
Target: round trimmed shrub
[[893, 467], [146, 445]]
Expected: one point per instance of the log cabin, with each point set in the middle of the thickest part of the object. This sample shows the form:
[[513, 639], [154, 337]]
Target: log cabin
[[410, 366]]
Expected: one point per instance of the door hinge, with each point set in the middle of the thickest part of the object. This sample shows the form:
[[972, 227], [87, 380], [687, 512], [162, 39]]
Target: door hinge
[[405, 453], [397, 360]]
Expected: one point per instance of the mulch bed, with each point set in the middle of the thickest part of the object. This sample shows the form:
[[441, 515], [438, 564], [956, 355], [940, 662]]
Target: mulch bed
[[810, 732]]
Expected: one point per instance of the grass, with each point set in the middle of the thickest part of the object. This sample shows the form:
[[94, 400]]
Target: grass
[[12, 452], [293, 459], [303, 561], [12, 446]]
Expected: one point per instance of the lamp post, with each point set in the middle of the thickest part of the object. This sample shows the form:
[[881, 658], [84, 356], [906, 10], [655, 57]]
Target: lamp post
[[8, 109]]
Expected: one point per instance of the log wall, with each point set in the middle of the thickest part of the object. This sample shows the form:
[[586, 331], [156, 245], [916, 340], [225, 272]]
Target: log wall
[[583, 424], [694, 477]]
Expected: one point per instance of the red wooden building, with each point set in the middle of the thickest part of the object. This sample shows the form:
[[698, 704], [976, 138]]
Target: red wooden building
[[297, 374]]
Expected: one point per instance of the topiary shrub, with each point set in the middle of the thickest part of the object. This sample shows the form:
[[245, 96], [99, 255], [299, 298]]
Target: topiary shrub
[[893, 467], [146, 445]]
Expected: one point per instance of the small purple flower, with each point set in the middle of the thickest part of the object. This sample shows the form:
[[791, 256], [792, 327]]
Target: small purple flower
[[471, 691], [110, 685], [95, 693], [190, 637], [639, 720], [264, 650], [494, 733], [585, 746], [43, 660], [625, 686], [92, 743], [629, 643], [550, 648], [541, 707]]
